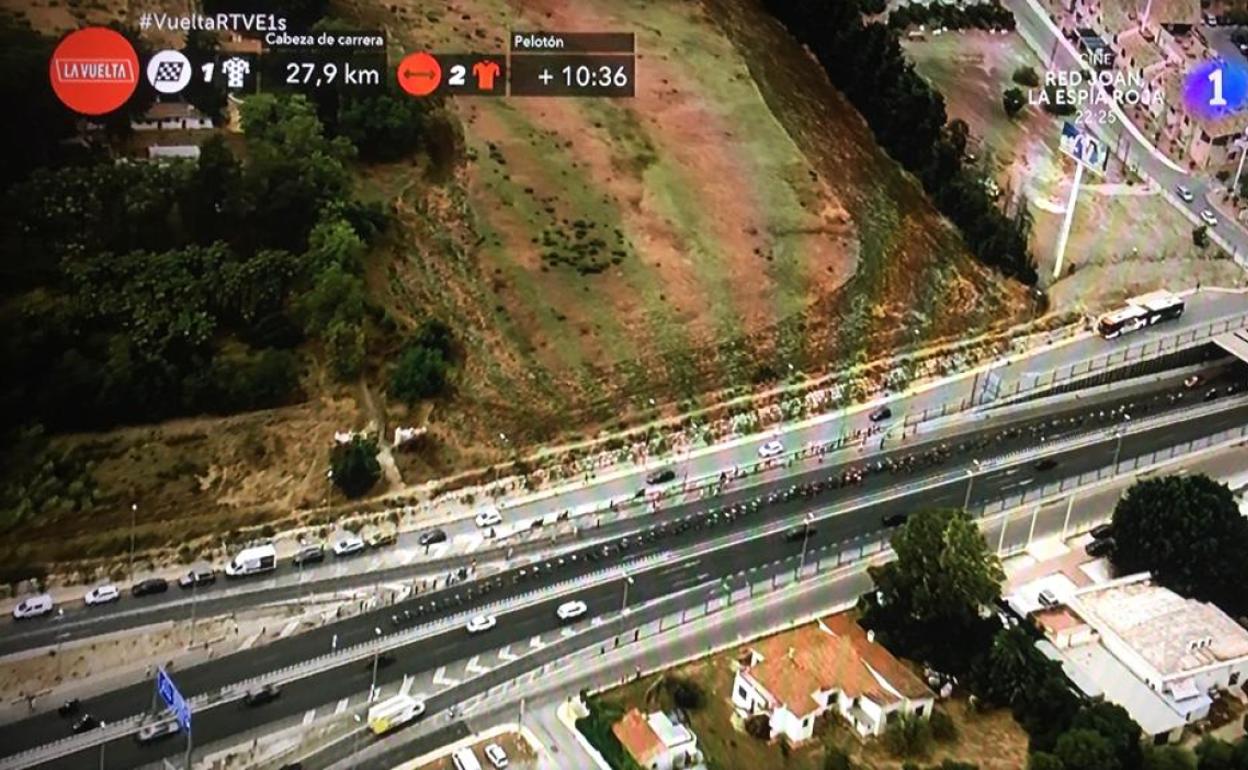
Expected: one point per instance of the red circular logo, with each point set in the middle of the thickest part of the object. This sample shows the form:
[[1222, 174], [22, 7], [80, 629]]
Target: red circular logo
[[419, 74], [94, 70]]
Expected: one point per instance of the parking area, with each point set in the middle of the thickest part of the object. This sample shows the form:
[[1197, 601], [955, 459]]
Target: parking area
[[519, 754]]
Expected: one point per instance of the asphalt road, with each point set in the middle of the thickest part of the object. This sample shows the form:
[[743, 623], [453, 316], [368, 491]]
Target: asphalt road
[[1046, 44], [522, 624]]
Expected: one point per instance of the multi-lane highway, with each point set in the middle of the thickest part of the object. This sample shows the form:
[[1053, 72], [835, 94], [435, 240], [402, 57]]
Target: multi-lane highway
[[749, 549]]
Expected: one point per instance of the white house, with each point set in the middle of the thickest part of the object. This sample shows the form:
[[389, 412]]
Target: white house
[[1159, 655], [656, 742], [831, 665], [172, 116]]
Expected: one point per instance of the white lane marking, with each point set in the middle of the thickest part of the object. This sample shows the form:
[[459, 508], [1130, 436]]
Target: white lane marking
[[408, 680], [308, 717], [536, 643], [568, 632], [288, 629], [440, 678], [505, 653], [342, 706], [474, 668], [438, 550], [248, 642]]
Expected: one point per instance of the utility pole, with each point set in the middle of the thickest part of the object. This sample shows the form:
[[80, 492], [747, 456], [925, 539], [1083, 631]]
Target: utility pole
[[628, 580], [134, 515], [372, 688]]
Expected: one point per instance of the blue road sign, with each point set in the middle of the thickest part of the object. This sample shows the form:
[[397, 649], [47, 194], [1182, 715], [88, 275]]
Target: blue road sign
[[173, 699]]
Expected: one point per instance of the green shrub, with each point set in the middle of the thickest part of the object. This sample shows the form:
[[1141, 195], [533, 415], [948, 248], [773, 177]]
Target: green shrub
[[908, 736], [943, 728]]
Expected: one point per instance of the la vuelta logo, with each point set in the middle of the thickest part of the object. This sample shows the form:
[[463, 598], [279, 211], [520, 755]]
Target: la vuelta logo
[[94, 70]]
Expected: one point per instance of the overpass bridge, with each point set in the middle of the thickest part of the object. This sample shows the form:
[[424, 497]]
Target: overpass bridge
[[1235, 343]]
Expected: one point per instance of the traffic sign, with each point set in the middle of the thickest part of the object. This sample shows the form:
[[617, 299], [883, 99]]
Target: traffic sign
[[94, 70], [419, 74], [168, 692]]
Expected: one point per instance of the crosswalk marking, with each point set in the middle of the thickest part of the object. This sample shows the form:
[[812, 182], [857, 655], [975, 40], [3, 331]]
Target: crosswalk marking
[[505, 653], [474, 668], [440, 678], [438, 550], [342, 706]]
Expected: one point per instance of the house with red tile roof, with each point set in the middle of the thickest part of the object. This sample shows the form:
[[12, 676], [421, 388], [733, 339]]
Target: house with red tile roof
[[832, 665], [656, 742]]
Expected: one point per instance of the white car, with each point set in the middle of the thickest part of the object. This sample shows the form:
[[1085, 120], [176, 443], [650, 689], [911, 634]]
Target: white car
[[33, 607], [489, 518], [770, 449], [571, 610], [1208, 218], [1185, 193], [347, 545], [496, 755], [102, 595], [481, 623]]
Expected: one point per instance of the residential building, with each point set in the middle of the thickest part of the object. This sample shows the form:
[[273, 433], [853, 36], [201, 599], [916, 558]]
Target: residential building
[[172, 116], [657, 742], [1157, 654], [832, 665]]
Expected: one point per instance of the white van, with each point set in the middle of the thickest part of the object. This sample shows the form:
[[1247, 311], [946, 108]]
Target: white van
[[253, 561], [33, 607], [464, 759]]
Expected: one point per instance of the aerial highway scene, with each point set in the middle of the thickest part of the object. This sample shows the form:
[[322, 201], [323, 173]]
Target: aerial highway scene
[[624, 385]]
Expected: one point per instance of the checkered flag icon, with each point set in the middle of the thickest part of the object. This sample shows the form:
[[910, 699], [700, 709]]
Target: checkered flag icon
[[168, 71]]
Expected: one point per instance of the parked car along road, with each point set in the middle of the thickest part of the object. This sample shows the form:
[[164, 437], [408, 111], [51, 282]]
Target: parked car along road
[[102, 594], [33, 607], [149, 586]]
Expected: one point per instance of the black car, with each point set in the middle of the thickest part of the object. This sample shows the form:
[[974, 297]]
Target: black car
[[69, 707], [883, 413], [1045, 464], [85, 723], [661, 476], [261, 695], [150, 586], [309, 554], [432, 536], [1102, 531], [894, 520], [798, 534], [1102, 547]]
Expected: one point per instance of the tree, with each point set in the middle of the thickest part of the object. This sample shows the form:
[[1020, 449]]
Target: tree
[[1200, 236], [1084, 749], [345, 345], [1042, 760], [1188, 532], [1026, 76], [1216, 754], [336, 295], [1116, 726], [1014, 101], [1168, 758], [382, 125], [355, 466], [758, 726], [908, 735], [928, 600], [943, 727], [420, 373], [837, 758]]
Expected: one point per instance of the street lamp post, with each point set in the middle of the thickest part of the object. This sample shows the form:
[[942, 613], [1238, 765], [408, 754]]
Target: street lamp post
[[628, 580], [970, 482], [1117, 450], [801, 562], [104, 744], [134, 515], [372, 688]]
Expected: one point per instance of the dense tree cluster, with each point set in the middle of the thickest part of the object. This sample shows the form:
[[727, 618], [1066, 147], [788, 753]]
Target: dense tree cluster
[[355, 465], [1187, 531], [951, 16], [928, 603], [866, 62]]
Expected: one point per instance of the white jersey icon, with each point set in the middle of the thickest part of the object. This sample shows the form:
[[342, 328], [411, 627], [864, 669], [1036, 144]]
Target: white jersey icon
[[236, 69]]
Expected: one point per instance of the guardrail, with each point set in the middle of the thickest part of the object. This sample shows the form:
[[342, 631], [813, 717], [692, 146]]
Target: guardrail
[[364, 650]]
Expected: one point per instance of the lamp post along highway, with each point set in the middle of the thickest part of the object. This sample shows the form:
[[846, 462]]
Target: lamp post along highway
[[372, 688], [134, 515], [103, 745], [801, 562], [628, 580], [970, 483]]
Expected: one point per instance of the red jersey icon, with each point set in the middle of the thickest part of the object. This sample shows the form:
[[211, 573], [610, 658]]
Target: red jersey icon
[[485, 71]]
